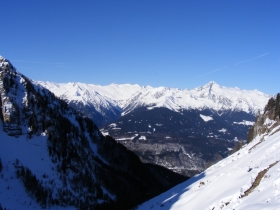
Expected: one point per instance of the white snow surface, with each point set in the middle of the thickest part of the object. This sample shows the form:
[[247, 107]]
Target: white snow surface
[[223, 130], [245, 122], [142, 138], [129, 97], [127, 138], [90, 93], [221, 185], [206, 118]]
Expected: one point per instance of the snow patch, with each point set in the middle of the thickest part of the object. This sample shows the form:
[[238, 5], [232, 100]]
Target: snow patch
[[127, 138], [244, 122], [268, 122], [206, 118], [142, 138], [223, 130], [104, 133]]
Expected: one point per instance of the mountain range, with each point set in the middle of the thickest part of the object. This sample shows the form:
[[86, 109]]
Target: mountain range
[[182, 130], [114, 100]]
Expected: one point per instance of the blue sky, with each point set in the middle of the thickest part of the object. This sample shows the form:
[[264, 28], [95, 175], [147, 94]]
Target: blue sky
[[179, 44]]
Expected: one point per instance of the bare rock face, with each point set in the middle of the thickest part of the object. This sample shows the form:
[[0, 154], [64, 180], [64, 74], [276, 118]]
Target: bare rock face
[[10, 112], [267, 121]]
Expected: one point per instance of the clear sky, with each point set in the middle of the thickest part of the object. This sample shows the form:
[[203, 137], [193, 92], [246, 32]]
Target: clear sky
[[176, 43]]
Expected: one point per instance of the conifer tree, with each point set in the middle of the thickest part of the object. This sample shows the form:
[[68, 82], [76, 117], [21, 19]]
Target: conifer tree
[[1, 166]]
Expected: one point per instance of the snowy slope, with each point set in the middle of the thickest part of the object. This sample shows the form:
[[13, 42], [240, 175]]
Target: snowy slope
[[129, 97], [223, 185]]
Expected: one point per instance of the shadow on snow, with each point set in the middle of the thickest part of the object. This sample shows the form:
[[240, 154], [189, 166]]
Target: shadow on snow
[[168, 198]]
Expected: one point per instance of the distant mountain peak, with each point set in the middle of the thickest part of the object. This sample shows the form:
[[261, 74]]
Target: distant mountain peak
[[212, 83], [208, 85]]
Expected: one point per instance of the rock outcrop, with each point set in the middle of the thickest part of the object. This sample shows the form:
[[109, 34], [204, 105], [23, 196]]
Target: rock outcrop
[[10, 112], [267, 121]]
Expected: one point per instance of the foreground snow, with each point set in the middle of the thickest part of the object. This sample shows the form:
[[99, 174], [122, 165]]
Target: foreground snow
[[222, 185]]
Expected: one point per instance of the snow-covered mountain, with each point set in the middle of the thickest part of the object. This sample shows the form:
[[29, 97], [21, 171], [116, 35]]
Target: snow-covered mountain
[[210, 96], [52, 156], [247, 179], [101, 103], [127, 98]]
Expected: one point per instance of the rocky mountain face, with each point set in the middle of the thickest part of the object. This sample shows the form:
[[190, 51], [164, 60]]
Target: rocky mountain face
[[10, 111], [53, 156], [267, 121], [183, 130]]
